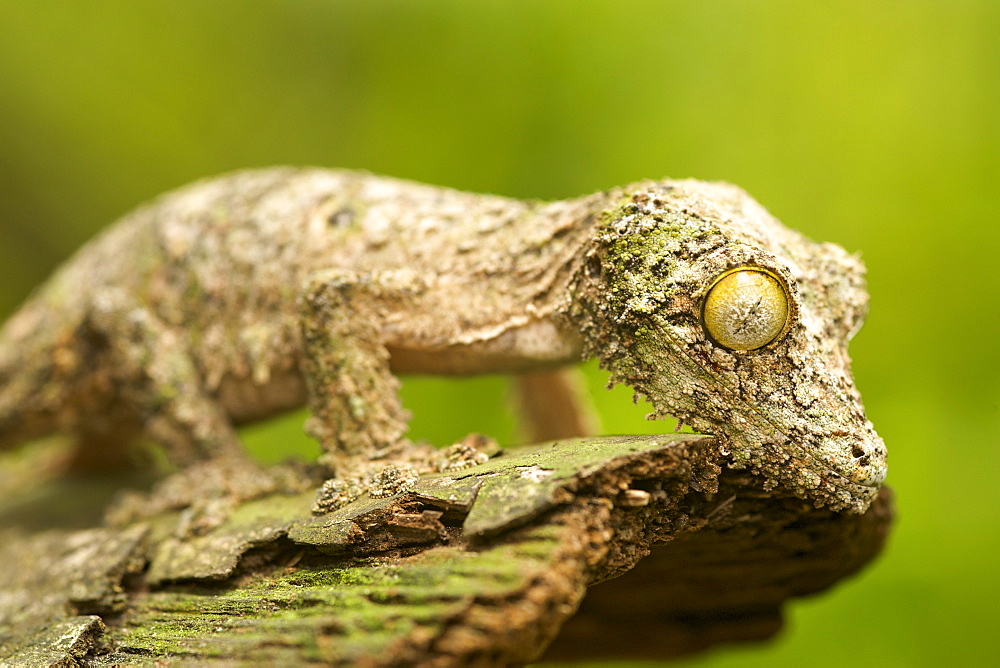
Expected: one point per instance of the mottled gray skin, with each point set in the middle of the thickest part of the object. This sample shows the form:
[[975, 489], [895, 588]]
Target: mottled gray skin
[[789, 410], [239, 297]]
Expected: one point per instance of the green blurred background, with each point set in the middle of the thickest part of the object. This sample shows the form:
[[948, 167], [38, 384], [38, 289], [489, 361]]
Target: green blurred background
[[872, 124]]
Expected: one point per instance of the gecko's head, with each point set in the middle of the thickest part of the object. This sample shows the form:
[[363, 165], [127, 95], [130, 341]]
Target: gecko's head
[[738, 326]]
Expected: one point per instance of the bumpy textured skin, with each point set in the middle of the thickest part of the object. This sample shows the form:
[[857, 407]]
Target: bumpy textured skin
[[789, 410], [245, 295]]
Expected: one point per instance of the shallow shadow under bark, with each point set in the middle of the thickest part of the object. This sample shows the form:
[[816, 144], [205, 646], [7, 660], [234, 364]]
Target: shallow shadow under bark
[[612, 547]]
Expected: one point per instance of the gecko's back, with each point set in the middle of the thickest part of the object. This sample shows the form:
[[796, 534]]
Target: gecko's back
[[221, 264], [252, 293]]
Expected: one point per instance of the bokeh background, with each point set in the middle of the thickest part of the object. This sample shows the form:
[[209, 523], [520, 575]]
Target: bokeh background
[[872, 124]]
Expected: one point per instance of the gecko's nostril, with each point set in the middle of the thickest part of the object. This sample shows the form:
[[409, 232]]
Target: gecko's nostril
[[861, 456]]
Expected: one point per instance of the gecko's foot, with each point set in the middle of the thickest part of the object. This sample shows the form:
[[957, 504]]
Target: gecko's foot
[[392, 480], [379, 483], [338, 492], [472, 450], [381, 480]]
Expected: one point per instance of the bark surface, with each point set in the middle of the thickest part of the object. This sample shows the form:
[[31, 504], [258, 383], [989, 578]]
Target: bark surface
[[611, 547]]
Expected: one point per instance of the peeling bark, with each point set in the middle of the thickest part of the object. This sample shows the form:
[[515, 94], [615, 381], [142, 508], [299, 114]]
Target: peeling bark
[[487, 565]]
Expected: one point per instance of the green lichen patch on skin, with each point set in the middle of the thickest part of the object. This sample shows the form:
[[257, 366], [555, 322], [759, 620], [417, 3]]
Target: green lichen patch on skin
[[239, 297], [788, 410]]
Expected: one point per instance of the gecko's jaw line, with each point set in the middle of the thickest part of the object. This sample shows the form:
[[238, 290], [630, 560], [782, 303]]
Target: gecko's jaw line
[[870, 476]]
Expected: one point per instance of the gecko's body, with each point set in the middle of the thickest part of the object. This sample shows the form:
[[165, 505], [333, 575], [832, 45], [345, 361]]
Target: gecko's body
[[246, 295]]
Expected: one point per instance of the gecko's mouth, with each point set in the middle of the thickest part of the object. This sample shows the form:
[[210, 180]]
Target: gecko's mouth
[[872, 480], [851, 463], [830, 473], [841, 457], [847, 462], [872, 476]]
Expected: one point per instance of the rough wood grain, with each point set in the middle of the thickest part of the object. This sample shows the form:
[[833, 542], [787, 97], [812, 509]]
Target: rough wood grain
[[487, 565]]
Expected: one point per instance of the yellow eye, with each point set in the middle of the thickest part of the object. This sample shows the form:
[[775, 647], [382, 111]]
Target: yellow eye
[[745, 309]]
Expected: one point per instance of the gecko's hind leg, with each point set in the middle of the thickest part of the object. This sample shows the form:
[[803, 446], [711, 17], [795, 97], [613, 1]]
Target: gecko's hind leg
[[104, 443], [554, 404], [353, 395], [156, 378]]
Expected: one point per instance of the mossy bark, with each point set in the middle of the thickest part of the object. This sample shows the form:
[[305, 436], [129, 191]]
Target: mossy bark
[[487, 565]]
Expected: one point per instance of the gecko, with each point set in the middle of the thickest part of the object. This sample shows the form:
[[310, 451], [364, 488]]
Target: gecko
[[246, 295]]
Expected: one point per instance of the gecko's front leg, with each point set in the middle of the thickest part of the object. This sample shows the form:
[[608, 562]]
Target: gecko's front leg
[[353, 395]]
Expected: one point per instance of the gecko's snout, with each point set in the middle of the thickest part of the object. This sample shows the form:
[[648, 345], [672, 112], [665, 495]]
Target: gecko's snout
[[870, 476], [867, 466], [854, 458]]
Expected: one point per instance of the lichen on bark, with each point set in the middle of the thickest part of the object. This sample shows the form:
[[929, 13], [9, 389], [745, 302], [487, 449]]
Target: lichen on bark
[[487, 564]]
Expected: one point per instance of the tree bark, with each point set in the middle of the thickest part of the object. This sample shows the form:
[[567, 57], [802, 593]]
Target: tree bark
[[613, 547]]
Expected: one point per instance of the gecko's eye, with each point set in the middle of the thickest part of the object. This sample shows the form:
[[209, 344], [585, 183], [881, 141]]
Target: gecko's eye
[[745, 309]]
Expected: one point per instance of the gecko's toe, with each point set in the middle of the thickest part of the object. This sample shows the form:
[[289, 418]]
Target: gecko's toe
[[338, 492]]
